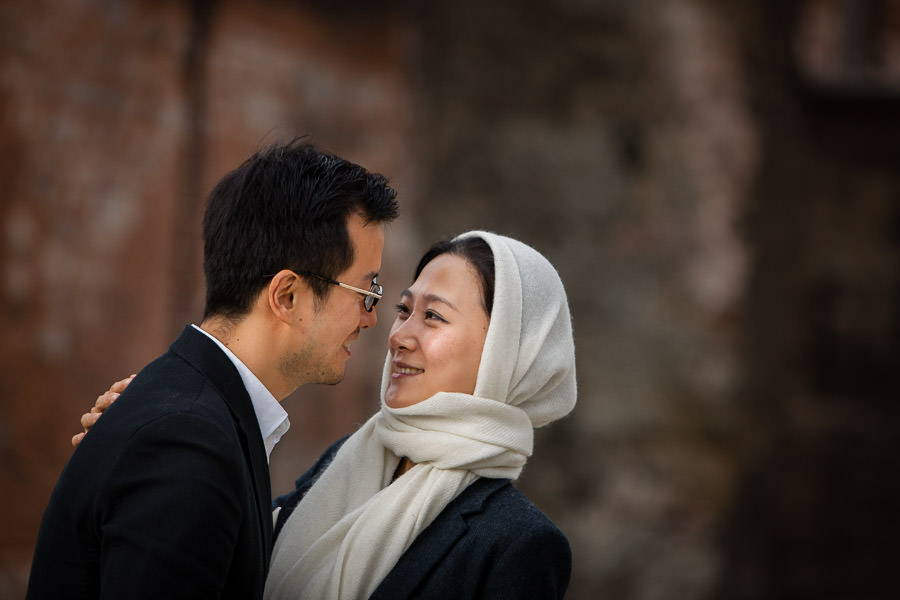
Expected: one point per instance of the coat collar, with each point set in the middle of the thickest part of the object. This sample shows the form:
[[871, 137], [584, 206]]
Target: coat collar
[[203, 354], [433, 544]]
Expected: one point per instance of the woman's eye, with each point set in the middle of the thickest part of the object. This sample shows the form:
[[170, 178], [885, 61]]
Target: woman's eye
[[430, 314], [402, 310]]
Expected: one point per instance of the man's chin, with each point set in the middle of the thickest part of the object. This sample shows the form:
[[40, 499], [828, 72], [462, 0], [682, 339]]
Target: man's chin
[[332, 379]]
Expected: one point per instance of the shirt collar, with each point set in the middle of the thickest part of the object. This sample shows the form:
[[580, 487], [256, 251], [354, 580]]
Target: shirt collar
[[272, 418]]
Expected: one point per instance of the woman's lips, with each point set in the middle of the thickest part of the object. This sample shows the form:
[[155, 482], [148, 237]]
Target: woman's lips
[[398, 371]]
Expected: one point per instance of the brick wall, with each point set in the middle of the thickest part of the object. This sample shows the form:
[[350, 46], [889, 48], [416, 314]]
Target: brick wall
[[722, 207]]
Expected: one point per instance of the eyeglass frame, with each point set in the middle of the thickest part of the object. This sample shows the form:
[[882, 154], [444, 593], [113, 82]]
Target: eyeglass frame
[[372, 296]]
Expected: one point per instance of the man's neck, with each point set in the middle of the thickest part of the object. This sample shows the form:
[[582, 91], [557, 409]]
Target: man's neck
[[248, 341], [218, 328]]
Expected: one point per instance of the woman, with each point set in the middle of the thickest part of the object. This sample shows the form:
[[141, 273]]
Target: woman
[[418, 502], [477, 360]]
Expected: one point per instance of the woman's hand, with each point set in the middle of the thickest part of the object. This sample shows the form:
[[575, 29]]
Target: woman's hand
[[103, 402]]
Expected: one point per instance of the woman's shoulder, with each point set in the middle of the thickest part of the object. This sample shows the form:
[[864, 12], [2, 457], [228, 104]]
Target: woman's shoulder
[[321, 463], [528, 555], [287, 502], [502, 511], [491, 541]]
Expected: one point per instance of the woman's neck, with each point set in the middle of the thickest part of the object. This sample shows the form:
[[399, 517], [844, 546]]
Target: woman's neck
[[404, 466]]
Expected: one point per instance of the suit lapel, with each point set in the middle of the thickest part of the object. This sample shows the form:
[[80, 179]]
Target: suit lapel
[[205, 356], [433, 544]]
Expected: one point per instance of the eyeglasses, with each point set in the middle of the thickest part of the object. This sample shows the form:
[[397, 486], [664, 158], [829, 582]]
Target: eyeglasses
[[372, 296]]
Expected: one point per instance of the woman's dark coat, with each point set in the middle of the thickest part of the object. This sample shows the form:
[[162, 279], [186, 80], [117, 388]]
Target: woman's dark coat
[[489, 542]]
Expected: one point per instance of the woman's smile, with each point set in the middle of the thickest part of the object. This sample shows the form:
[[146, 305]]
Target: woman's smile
[[400, 370]]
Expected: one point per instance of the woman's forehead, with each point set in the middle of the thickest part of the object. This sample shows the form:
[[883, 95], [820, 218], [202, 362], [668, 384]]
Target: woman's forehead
[[449, 276]]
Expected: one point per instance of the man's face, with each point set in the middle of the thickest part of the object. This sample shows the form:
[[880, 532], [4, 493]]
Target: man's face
[[323, 347]]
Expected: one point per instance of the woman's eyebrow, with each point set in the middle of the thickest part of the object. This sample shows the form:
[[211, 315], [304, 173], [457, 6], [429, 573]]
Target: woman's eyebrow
[[429, 298]]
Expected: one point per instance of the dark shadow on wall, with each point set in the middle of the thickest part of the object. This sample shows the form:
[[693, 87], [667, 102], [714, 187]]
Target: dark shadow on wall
[[816, 508]]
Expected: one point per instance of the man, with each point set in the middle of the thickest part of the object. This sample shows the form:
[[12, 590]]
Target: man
[[169, 496]]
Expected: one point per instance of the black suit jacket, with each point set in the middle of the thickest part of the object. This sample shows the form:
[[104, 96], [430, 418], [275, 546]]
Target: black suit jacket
[[168, 496], [490, 542]]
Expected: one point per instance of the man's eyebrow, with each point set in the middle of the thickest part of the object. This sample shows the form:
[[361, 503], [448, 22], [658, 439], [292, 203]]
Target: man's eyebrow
[[429, 298]]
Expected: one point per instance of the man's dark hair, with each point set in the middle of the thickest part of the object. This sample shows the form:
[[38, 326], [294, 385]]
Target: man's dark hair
[[477, 253], [285, 207]]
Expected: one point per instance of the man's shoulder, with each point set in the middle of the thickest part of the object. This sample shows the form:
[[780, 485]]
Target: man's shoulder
[[168, 395], [169, 384], [193, 374]]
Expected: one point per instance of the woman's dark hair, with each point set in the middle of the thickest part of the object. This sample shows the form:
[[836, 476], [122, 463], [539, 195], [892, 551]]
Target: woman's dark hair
[[477, 253], [286, 207]]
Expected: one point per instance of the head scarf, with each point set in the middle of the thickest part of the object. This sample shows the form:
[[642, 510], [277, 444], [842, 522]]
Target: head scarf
[[353, 525]]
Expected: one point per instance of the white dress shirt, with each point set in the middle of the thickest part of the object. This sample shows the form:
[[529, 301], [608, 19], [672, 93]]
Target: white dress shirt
[[272, 418]]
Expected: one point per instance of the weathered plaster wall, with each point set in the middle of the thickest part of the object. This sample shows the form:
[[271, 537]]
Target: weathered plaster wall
[[719, 197]]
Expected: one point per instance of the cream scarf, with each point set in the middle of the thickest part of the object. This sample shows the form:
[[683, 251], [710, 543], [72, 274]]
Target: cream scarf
[[353, 525]]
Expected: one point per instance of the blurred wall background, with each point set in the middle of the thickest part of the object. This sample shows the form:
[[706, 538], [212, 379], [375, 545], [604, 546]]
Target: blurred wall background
[[717, 183]]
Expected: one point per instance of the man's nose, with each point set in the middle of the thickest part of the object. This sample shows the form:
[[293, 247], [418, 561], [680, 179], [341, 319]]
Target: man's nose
[[368, 319]]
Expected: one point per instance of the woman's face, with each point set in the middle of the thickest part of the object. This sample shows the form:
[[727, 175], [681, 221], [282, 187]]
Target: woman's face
[[438, 336]]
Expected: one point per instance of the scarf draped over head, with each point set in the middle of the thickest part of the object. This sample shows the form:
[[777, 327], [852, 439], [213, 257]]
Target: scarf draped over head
[[353, 525]]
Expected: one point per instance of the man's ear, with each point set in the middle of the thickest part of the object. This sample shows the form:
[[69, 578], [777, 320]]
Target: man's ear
[[285, 294]]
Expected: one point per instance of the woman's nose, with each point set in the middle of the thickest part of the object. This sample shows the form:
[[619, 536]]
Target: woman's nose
[[402, 335]]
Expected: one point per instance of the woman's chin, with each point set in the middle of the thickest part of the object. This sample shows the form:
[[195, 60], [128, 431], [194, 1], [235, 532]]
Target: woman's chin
[[390, 399], [395, 400]]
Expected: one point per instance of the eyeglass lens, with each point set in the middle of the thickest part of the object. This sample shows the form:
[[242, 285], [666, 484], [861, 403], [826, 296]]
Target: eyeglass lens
[[370, 301]]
